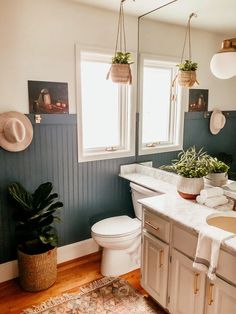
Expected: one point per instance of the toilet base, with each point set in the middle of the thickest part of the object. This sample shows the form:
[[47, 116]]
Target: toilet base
[[119, 262]]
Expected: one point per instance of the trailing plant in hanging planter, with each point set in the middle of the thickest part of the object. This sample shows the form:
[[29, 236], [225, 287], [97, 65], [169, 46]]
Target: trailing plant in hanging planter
[[120, 70], [187, 73], [187, 76]]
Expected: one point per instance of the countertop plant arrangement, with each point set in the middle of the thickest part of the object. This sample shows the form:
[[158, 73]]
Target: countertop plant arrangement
[[190, 163]]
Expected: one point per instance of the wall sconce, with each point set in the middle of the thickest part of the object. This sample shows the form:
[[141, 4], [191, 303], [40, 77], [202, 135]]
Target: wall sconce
[[223, 63]]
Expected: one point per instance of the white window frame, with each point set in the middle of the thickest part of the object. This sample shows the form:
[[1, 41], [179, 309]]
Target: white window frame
[[177, 110], [127, 147]]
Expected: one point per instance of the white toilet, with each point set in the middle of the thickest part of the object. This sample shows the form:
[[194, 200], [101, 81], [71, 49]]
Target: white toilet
[[120, 237]]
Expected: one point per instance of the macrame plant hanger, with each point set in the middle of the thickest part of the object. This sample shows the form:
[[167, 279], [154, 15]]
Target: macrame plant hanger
[[187, 78], [120, 72]]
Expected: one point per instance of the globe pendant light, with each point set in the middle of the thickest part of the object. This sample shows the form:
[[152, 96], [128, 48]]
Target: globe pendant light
[[223, 63]]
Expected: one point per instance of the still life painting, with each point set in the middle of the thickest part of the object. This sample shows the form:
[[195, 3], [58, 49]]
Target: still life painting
[[48, 97], [198, 100]]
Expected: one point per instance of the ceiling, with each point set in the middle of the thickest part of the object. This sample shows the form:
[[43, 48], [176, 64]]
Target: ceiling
[[212, 15]]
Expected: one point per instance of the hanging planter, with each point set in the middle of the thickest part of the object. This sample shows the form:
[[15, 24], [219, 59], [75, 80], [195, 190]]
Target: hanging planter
[[187, 76], [120, 70]]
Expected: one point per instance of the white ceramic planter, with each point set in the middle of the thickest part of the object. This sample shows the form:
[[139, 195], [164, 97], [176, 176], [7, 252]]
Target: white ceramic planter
[[216, 179], [189, 188]]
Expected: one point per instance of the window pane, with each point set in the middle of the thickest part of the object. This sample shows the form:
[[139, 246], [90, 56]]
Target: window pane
[[100, 106], [156, 104]]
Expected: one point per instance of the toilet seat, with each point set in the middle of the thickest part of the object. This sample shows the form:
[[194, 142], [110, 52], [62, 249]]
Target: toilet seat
[[118, 226]]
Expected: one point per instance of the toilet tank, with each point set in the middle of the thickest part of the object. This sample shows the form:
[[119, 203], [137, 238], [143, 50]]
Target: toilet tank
[[139, 192]]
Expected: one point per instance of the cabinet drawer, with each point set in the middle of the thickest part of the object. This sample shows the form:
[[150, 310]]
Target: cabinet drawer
[[157, 226], [184, 241]]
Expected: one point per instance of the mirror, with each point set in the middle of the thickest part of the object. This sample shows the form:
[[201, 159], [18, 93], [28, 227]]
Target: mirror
[[160, 39]]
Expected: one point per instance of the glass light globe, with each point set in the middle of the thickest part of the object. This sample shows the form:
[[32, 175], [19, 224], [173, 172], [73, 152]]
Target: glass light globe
[[223, 65]]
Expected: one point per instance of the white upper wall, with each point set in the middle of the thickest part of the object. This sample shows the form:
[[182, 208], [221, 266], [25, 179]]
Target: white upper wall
[[38, 43]]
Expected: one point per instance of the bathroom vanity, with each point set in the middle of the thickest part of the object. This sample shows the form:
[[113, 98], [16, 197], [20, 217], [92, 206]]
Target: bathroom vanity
[[169, 238], [170, 227]]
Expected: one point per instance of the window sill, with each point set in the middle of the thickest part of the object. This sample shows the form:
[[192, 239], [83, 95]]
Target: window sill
[[160, 149], [83, 157]]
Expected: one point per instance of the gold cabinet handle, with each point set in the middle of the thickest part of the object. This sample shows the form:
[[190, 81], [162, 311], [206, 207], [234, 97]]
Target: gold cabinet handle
[[196, 289], [210, 294], [161, 258], [152, 226]]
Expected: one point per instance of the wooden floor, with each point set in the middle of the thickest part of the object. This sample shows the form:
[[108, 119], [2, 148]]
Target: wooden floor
[[71, 275]]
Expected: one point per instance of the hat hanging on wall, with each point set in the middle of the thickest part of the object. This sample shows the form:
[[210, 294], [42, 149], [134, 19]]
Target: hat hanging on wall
[[217, 121], [16, 131]]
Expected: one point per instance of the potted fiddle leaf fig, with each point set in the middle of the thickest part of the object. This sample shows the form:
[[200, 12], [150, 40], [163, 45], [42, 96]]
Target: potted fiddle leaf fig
[[191, 166], [35, 215], [218, 174], [187, 73]]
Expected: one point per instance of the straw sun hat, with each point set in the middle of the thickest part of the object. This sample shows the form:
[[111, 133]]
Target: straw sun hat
[[217, 121], [16, 131]]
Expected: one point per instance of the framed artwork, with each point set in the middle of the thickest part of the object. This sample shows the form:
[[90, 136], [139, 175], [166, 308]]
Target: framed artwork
[[198, 100], [48, 97]]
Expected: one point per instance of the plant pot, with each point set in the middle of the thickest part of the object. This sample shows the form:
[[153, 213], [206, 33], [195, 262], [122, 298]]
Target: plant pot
[[37, 272], [187, 78], [121, 73], [216, 179], [189, 188]]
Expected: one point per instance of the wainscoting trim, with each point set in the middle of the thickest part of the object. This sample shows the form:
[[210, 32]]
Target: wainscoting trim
[[65, 253]]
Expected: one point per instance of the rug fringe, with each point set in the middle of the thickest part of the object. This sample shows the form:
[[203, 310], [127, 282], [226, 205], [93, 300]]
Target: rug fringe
[[97, 284], [51, 302]]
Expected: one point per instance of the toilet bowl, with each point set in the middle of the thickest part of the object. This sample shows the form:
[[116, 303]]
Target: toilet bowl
[[120, 237]]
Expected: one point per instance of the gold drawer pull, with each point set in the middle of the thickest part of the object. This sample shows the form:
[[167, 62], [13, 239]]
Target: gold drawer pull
[[210, 294], [196, 289], [152, 226], [161, 258]]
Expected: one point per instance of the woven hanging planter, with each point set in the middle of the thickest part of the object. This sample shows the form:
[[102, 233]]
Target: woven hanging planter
[[120, 70], [37, 272], [187, 76], [121, 73]]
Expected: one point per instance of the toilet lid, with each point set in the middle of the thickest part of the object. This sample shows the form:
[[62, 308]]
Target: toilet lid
[[116, 226]]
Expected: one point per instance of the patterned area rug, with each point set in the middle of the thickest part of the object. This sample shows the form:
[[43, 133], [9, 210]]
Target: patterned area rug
[[104, 296]]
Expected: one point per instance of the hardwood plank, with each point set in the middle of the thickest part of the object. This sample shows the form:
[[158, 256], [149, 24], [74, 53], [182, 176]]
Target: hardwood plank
[[71, 275]]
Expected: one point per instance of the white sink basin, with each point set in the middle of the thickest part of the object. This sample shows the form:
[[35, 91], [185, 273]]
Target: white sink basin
[[225, 222]]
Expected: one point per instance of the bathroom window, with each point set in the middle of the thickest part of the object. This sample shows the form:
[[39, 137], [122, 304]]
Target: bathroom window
[[161, 112], [105, 113]]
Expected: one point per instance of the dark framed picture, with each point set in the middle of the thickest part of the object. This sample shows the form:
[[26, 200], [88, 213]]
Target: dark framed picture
[[198, 100], [48, 97]]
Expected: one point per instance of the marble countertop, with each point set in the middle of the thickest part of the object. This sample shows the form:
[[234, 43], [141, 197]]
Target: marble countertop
[[191, 215], [172, 206]]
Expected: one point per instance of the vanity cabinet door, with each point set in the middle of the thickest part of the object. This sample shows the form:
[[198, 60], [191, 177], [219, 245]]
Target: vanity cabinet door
[[155, 256], [220, 297], [187, 286]]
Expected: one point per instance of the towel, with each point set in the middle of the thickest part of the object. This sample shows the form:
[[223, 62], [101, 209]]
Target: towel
[[216, 201], [211, 192], [207, 252], [200, 200]]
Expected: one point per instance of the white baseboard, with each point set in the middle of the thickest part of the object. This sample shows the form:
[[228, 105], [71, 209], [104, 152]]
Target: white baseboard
[[65, 253]]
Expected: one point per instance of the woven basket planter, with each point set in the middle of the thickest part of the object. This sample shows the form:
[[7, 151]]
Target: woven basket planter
[[121, 73], [187, 78], [37, 272]]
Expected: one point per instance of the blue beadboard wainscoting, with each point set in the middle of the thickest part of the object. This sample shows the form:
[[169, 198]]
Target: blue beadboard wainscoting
[[90, 191]]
